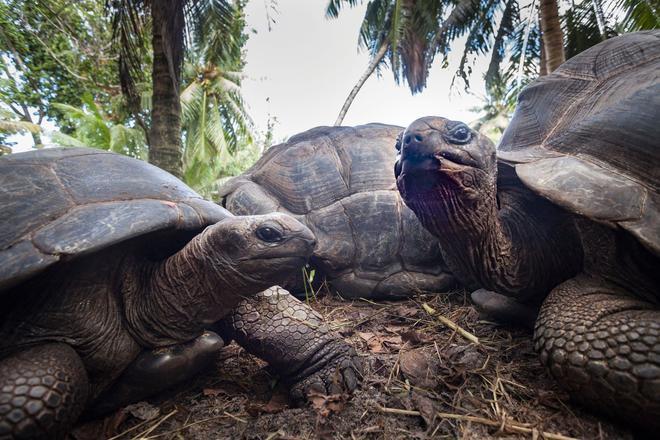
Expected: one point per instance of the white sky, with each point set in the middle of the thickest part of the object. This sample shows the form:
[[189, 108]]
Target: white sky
[[303, 69]]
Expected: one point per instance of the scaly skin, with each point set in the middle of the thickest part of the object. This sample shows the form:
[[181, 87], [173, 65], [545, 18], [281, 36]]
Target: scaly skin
[[296, 342], [43, 390], [603, 346], [598, 328], [91, 319]]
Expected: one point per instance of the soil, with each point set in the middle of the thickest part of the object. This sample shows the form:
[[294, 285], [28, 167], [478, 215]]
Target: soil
[[422, 379]]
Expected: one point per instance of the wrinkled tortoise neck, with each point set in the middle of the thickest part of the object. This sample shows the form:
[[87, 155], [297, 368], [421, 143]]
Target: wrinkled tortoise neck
[[505, 239], [175, 300]]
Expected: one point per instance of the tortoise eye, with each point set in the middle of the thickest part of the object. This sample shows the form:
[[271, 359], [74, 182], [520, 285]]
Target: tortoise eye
[[458, 134], [269, 234]]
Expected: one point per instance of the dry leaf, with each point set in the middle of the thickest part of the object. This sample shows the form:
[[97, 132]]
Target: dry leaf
[[427, 407], [415, 337], [378, 343], [212, 392], [278, 402], [418, 368], [143, 410], [326, 405], [403, 311]]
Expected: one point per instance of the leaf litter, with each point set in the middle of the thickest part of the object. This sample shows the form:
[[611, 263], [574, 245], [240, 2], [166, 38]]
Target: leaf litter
[[425, 377]]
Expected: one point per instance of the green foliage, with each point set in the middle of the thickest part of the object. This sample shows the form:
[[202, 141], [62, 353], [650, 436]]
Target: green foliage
[[417, 31], [205, 66], [92, 128], [638, 14], [216, 126], [49, 52], [497, 109], [405, 27]]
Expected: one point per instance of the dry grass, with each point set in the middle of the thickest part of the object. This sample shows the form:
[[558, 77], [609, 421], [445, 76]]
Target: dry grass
[[433, 370]]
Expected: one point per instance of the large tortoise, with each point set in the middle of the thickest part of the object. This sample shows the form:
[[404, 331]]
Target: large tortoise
[[110, 272], [565, 216], [338, 181]]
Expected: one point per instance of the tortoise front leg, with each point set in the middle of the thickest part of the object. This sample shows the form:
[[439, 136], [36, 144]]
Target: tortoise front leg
[[43, 391], [155, 370], [603, 345], [295, 341]]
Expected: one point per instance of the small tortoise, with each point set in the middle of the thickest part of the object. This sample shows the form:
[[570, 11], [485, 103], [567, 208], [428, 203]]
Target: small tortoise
[[338, 181], [564, 216], [110, 272]]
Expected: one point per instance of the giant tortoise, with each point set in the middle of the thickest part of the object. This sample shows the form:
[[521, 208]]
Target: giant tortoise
[[338, 181], [111, 270], [564, 216]]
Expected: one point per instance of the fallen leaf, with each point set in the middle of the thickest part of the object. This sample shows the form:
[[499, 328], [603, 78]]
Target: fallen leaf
[[427, 407], [415, 337], [326, 405], [378, 343], [396, 329], [143, 410], [278, 402], [418, 368], [212, 392], [403, 311]]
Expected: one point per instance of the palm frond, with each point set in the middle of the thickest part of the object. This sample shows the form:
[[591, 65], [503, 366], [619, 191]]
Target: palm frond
[[9, 126], [128, 20], [67, 141], [510, 16], [638, 14], [334, 6]]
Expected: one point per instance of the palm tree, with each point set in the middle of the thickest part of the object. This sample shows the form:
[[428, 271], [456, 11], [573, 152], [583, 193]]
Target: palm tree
[[536, 46], [394, 31], [215, 123], [169, 22]]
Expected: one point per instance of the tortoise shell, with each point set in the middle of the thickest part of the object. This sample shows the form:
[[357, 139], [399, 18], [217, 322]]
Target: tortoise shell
[[587, 137], [65, 202], [339, 182]]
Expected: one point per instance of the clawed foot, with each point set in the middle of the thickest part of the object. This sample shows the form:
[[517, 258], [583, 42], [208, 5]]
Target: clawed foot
[[337, 370]]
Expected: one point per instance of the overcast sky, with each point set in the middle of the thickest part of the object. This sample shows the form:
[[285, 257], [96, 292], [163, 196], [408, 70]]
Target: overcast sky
[[303, 68]]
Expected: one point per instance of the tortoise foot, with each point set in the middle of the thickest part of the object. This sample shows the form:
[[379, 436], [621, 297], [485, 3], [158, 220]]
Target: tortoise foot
[[603, 345], [296, 342], [43, 391], [503, 309], [158, 369]]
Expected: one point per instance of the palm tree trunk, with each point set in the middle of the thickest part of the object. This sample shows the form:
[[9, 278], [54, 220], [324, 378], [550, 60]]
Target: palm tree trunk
[[543, 65], [551, 34], [375, 61], [165, 150]]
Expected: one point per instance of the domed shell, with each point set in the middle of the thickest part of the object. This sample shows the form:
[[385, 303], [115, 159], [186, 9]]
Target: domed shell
[[587, 137], [65, 202], [339, 182]]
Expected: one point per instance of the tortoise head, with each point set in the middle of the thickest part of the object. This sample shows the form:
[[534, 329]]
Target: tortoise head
[[436, 154], [227, 262], [261, 249]]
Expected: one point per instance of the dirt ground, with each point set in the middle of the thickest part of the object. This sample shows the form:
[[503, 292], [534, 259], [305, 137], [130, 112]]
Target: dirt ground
[[422, 380]]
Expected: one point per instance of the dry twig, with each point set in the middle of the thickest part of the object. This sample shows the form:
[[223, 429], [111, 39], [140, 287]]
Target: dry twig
[[450, 324]]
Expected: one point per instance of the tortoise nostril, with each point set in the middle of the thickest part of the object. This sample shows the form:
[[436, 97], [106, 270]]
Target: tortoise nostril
[[418, 138], [407, 139]]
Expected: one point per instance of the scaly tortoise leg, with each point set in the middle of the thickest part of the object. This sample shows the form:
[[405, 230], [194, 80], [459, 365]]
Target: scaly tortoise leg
[[43, 391], [295, 341], [603, 345], [155, 370]]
